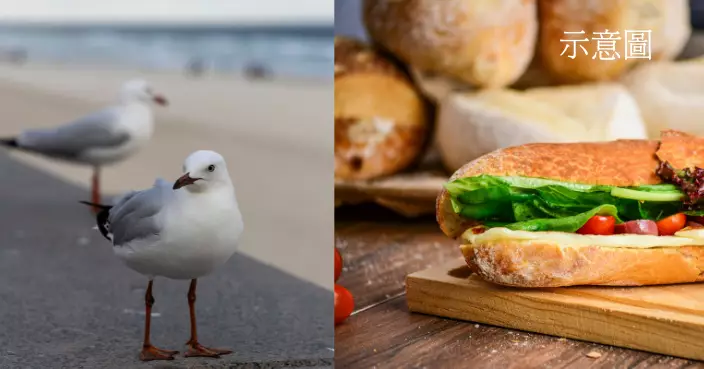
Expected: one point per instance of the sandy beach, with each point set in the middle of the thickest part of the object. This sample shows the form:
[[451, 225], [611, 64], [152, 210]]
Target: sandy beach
[[274, 134]]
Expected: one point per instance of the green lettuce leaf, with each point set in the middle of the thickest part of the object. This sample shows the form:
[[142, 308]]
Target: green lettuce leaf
[[564, 224], [543, 204]]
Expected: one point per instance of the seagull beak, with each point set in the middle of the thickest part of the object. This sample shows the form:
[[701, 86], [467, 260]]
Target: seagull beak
[[184, 180], [161, 100]]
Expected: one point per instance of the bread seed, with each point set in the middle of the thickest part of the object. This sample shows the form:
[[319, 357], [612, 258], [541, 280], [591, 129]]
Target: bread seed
[[594, 355]]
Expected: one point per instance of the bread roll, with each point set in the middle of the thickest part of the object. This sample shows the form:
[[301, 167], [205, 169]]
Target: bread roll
[[381, 121], [472, 124], [667, 20], [560, 16], [607, 110], [483, 43], [670, 95]]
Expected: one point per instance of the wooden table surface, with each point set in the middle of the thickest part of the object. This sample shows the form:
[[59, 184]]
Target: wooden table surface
[[379, 249]]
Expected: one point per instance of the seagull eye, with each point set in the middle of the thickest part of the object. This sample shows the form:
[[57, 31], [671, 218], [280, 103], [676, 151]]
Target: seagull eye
[[211, 168]]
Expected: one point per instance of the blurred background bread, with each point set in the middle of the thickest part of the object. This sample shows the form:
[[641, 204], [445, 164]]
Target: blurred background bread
[[473, 124], [499, 75], [606, 110], [667, 20], [381, 120], [459, 45], [574, 62], [483, 43], [670, 95], [670, 25]]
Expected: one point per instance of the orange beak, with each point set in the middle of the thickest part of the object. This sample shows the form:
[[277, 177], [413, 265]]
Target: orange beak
[[184, 180]]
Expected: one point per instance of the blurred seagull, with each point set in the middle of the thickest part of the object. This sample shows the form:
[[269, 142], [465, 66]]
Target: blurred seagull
[[101, 138], [182, 230]]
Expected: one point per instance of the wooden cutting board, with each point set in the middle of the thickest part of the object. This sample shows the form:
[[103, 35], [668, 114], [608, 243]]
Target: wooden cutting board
[[665, 319], [410, 193]]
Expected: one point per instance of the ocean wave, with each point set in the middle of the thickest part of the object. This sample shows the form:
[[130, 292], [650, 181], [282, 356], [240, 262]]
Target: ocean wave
[[308, 53]]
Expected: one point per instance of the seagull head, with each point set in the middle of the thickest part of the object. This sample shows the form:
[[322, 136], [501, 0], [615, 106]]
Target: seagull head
[[138, 90], [203, 170]]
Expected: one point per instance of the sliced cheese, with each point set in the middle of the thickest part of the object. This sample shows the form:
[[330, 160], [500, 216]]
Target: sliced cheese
[[472, 124], [688, 237]]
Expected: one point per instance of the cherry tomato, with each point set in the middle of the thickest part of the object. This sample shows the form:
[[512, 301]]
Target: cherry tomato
[[338, 264], [668, 226], [598, 224], [344, 304]]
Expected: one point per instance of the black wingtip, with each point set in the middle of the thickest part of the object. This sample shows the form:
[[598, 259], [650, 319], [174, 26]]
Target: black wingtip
[[10, 141]]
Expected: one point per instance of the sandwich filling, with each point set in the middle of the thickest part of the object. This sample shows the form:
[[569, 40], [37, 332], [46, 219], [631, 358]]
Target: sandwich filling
[[518, 203]]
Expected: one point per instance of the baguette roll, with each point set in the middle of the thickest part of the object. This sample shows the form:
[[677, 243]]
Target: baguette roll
[[381, 120]]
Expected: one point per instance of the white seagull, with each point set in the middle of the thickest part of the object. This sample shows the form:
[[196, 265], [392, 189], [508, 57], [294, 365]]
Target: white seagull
[[180, 231], [101, 138]]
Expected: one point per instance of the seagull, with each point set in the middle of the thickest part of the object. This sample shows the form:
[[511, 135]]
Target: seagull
[[100, 138], [179, 231]]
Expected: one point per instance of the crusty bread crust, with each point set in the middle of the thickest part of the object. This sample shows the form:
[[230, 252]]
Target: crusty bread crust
[[667, 21], [381, 120], [483, 43], [529, 263], [560, 16], [681, 150], [617, 163]]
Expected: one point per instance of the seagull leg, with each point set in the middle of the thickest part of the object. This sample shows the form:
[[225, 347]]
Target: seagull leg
[[150, 352], [95, 198], [195, 348]]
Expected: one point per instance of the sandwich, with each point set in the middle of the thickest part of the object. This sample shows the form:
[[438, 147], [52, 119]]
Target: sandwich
[[617, 213]]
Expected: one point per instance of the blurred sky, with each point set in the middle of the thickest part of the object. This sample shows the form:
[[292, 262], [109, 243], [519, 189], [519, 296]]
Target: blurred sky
[[171, 11]]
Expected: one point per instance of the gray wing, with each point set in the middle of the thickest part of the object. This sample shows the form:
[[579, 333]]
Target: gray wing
[[97, 130], [137, 215]]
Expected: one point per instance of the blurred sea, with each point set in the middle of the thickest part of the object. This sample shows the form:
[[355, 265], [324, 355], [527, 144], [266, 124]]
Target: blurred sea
[[300, 51]]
